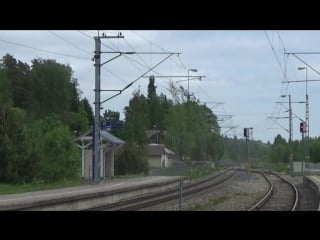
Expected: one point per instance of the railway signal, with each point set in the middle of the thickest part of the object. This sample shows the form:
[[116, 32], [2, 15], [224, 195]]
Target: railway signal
[[302, 127]]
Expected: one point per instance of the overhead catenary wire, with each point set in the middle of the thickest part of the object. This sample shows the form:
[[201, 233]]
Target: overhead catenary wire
[[273, 50], [145, 63], [70, 43], [131, 60], [44, 50], [88, 36], [130, 84], [312, 68], [283, 68], [159, 47]]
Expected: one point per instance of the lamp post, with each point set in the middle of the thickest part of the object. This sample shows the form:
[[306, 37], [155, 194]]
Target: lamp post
[[290, 133], [307, 157], [192, 70]]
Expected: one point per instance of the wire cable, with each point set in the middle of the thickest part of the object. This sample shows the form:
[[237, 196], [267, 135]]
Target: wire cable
[[44, 50], [70, 43]]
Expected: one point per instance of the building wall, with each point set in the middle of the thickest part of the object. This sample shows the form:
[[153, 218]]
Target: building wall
[[165, 161], [109, 163], [297, 166], [154, 161]]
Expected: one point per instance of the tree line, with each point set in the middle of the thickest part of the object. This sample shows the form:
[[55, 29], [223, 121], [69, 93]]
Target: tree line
[[276, 153]]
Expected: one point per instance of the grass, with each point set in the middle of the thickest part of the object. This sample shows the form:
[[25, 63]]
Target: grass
[[29, 187], [198, 172], [208, 205], [241, 194]]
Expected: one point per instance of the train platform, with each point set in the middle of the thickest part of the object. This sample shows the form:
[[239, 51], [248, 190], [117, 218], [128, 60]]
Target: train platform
[[86, 196], [313, 181]]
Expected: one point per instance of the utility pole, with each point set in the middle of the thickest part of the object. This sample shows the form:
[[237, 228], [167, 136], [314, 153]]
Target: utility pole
[[96, 132], [306, 135], [290, 135], [307, 151], [246, 134], [97, 63], [97, 104], [303, 140]]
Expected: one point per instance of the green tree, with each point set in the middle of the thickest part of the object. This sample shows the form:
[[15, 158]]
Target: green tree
[[5, 89], [18, 74], [51, 88], [136, 120], [11, 132], [12, 143], [192, 128], [113, 116], [88, 110], [154, 109], [315, 149], [131, 160], [279, 150], [56, 155]]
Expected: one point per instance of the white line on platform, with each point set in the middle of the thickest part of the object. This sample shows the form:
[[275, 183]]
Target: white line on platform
[[315, 178]]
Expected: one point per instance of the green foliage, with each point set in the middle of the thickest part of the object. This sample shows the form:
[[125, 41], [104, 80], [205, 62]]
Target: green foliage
[[89, 112], [113, 116], [272, 156], [12, 144], [314, 145], [5, 89], [279, 150], [151, 88], [192, 129], [40, 109], [135, 126], [131, 160], [199, 172], [77, 121], [50, 88], [236, 149], [6, 188], [188, 128], [56, 155], [18, 74]]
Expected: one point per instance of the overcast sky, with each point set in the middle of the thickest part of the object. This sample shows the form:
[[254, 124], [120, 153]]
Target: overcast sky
[[244, 70]]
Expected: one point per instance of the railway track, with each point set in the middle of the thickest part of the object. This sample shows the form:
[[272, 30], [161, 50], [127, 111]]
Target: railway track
[[168, 195], [281, 195]]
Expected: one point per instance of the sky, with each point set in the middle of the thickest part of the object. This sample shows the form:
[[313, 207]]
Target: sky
[[246, 72]]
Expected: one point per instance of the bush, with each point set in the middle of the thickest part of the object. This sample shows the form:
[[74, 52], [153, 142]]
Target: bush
[[131, 160], [51, 145]]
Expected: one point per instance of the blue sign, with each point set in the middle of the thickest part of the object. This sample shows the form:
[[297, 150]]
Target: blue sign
[[107, 124]]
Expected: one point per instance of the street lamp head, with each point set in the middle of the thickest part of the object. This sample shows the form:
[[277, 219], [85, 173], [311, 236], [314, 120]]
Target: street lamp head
[[283, 96], [193, 70], [301, 68]]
